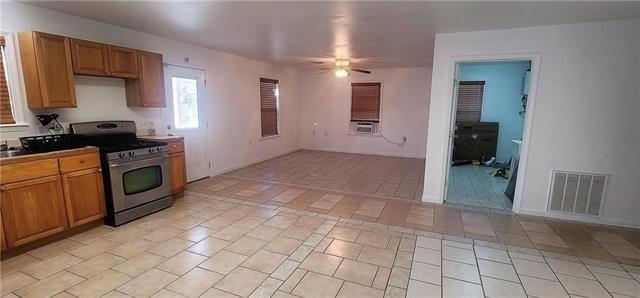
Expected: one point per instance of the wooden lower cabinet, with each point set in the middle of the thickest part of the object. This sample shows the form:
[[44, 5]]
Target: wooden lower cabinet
[[33, 209], [2, 238], [178, 168], [84, 196]]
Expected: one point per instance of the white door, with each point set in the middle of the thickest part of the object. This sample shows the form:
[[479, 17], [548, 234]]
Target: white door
[[185, 116], [452, 131]]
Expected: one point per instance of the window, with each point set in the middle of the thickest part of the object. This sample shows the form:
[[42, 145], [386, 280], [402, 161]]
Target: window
[[185, 102], [269, 107], [365, 102], [469, 107], [6, 113]]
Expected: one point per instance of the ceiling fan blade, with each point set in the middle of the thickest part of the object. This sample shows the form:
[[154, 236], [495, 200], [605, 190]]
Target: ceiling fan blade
[[326, 68], [316, 62], [323, 72], [361, 70]]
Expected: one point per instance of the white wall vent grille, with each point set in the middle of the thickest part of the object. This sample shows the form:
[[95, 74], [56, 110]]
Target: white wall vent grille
[[577, 193]]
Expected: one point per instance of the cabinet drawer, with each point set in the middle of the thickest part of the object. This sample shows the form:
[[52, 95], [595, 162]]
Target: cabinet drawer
[[28, 170], [176, 147], [79, 162]]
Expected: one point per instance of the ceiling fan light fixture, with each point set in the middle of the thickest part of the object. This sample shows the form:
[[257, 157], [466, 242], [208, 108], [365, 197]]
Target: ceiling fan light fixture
[[342, 72]]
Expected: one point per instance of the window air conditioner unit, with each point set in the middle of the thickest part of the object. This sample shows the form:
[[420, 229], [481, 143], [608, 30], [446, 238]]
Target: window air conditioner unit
[[364, 127]]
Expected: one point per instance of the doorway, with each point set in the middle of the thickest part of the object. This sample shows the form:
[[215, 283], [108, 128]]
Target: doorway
[[185, 116], [489, 113]]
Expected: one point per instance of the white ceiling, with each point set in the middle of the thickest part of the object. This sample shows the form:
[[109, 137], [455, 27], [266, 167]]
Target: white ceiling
[[377, 34]]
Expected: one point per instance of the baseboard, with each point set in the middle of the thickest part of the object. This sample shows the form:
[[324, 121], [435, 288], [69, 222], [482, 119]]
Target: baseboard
[[431, 199], [242, 165], [340, 150], [601, 221]]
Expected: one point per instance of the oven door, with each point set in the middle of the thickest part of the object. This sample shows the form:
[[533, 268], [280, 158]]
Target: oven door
[[136, 182]]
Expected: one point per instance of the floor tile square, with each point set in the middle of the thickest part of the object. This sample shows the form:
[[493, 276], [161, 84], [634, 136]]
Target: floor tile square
[[209, 246], [357, 272], [417, 289], [377, 256], [321, 263], [317, 285], [195, 282], [426, 273], [457, 288], [582, 286], [51, 285], [502, 288], [344, 249], [428, 256], [171, 247], [498, 270], [246, 246], [182, 263], [241, 281], [52, 265], [282, 245], [100, 284], [147, 284], [224, 262], [95, 265], [460, 271], [139, 264], [342, 233], [349, 290], [533, 269], [264, 261], [619, 285], [373, 239]]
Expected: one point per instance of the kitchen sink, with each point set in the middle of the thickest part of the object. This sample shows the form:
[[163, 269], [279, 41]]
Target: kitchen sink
[[11, 153]]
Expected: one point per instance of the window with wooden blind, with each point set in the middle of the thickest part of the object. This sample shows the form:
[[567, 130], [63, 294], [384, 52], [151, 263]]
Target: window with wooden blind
[[365, 102], [6, 114], [269, 105], [469, 107]]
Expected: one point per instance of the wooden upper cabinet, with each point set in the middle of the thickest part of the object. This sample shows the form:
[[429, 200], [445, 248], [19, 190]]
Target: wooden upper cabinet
[[89, 58], [32, 209], [148, 90], [84, 196], [123, 62], [48, 71]]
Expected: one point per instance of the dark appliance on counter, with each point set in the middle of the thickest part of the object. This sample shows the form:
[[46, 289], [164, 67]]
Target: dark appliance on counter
[[136, 172], [475, 141]]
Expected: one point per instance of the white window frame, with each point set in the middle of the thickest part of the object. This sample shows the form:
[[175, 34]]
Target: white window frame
[[15, 83]]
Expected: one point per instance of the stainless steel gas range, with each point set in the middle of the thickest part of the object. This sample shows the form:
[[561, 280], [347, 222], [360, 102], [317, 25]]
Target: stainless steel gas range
[[136, 172]]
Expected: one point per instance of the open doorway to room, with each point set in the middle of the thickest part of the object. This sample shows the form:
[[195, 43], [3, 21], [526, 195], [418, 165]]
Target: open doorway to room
[[490, 103]]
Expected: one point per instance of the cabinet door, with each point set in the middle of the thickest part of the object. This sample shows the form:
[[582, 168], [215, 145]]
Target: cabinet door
[[84, 196], [123, 62], [148, 90], [32, 209], [2, 238], [152, 79], [178, 168], [55, 71], [89, 58]]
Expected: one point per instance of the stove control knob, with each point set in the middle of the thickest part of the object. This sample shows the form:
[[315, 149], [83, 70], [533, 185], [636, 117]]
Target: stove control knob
[[150, 150], [131, 153], [121, 155]]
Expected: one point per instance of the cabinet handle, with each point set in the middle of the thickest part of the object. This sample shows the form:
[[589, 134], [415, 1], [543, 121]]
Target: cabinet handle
[[82, 161]]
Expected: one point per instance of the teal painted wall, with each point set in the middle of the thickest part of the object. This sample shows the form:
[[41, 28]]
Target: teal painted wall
[[502, 98]]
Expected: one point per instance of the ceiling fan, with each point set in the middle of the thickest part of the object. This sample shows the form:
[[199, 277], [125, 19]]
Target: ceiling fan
[[342, 69]]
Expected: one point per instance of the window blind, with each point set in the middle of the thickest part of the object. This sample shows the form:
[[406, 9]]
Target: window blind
[[6, 115], [469, 107], [365, 102], [269, 107]]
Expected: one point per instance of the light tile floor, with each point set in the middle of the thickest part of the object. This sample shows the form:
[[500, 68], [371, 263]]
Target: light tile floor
[[377, 175], [476, 186], [213, 246]]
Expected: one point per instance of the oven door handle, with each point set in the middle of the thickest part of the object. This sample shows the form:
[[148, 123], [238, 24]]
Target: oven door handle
[[115, 165]]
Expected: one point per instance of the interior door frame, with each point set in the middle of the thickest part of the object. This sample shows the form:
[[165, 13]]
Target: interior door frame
[[203, 106], [528, 121]]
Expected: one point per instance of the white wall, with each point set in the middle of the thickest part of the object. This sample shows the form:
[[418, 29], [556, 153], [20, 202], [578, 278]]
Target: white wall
[[405, 103], [232, 93], [586, 109]]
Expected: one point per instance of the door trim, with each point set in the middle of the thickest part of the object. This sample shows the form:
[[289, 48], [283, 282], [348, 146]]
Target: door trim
[[528, 125]]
